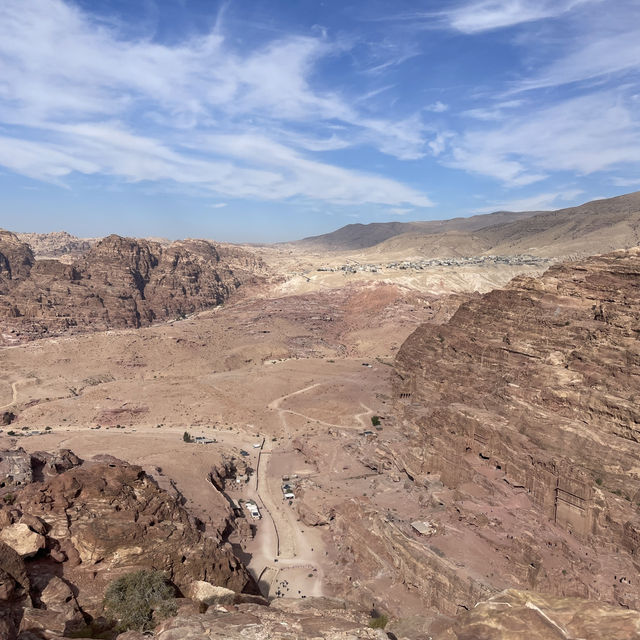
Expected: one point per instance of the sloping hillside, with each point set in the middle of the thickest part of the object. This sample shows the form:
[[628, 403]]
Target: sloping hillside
[[362, 236], [595, 227]]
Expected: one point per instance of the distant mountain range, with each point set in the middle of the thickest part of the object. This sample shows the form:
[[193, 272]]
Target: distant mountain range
[[362, 236], [595, 227]]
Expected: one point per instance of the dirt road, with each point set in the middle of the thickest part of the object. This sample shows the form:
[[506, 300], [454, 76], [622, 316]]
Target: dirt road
[[14, 391], [285, 557]]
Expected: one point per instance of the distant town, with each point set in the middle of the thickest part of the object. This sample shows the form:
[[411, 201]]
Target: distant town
[[353, 266]]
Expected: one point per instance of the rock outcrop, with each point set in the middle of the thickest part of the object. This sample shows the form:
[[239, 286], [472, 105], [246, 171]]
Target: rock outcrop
[[118, 282], [284, 620], [531, 393], [521, 614], [65, 537]]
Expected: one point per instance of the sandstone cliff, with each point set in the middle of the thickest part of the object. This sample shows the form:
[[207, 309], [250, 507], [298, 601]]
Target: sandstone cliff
[[119, 282], [525, 407]]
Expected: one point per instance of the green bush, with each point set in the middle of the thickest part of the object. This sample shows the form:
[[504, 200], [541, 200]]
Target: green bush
[[186, 436], [132, 600], [379, 622], [375, 421]]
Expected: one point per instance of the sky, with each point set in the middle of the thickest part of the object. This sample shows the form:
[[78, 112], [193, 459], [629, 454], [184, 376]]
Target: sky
[[271, 120]]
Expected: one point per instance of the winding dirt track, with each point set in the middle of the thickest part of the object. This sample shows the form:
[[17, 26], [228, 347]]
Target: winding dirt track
[[14, 389]]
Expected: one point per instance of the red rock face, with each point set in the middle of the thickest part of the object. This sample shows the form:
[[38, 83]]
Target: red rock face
[[539, 383], [120, 282], [16, 258]]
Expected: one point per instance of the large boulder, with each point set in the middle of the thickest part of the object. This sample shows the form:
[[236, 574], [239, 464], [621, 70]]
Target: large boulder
[[209, 594], [23, 540]]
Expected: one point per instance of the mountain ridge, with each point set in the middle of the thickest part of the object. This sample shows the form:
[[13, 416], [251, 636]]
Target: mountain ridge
[[597, 226]]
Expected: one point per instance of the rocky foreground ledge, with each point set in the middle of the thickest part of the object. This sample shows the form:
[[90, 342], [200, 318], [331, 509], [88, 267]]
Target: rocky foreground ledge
[[70, 527]]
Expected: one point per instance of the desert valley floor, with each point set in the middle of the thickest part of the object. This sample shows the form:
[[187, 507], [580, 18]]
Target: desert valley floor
[[434, 426]]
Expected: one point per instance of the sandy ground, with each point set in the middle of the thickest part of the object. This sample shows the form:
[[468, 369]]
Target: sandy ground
[[313, 396], [307, 356]]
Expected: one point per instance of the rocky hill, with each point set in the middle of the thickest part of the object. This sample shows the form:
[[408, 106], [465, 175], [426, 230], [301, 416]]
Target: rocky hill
[[57, 244], [361, 236], [523, 410], [119, 282], [595, 227]]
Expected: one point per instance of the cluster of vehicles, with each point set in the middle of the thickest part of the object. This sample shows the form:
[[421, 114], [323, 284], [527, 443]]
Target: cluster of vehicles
[[287, 489], [257, 445]]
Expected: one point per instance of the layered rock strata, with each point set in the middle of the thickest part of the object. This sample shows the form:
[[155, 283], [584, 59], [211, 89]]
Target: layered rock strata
[[536, 387]]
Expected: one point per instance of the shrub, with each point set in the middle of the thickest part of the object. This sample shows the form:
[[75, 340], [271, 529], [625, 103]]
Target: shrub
[[133, 598], [379, 622], [187, 437], [375, 421]]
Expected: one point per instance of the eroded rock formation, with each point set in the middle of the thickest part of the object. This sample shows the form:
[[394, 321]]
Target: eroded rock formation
[[535, 388], [519, 614], [118, 282]]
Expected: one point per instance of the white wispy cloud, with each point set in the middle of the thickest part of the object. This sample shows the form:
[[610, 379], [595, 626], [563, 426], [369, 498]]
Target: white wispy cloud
[[437, 107], [487, 15], [497, 111], [582, 135], [302, 176], [139, 110], [626, 182], [539, 202], [596, 56]]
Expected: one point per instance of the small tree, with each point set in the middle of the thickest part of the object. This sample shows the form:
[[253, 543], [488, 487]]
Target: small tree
[[375, 421], [187, 437], [133, 598]]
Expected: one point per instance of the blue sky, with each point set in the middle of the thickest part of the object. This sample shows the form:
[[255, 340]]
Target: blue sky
[[265, 120]]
